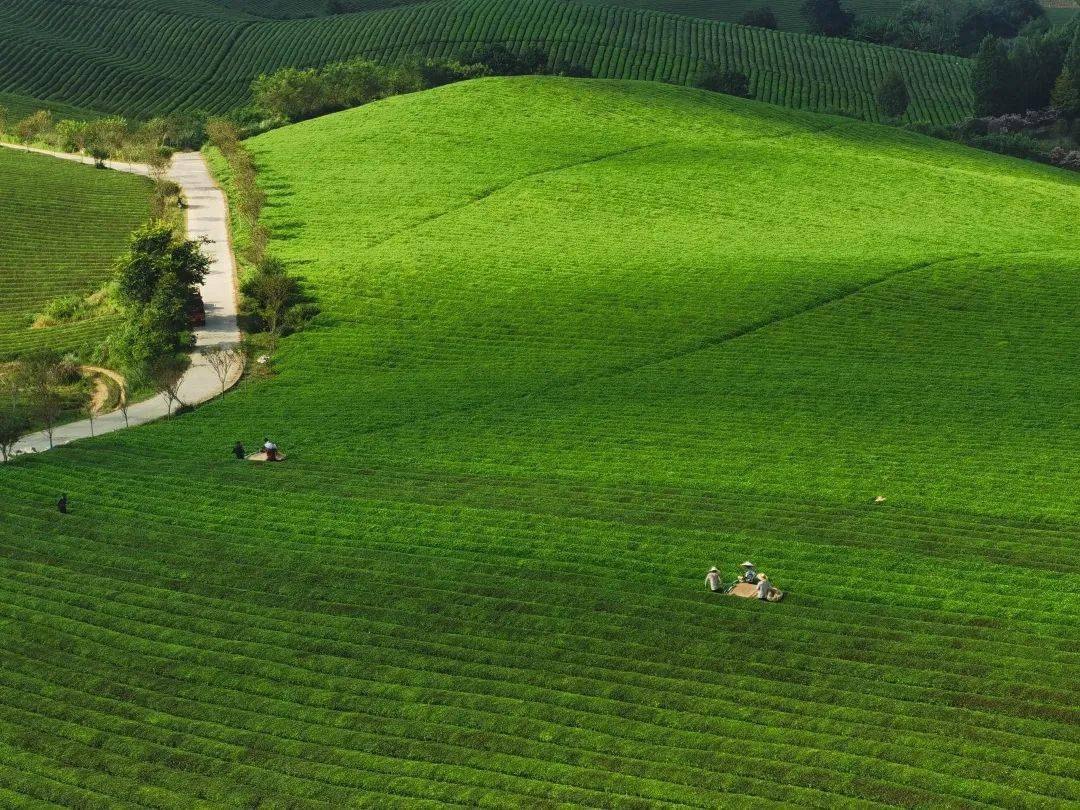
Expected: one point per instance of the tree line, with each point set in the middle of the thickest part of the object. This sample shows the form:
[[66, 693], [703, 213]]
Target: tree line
[[273, 302], [293, 94]]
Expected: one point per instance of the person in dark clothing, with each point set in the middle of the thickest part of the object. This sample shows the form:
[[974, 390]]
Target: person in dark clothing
[[61, 505], [238, 451]]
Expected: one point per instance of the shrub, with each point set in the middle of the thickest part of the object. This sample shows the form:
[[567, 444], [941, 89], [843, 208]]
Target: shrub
[[892, 95], [65, 309], [1017, 145], [1065, 158], [719, 80]]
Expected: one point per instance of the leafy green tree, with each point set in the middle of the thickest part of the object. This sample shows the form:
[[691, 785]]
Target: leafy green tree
[[992, 85], [892, 95], [352, 83], [105, 138], [978, 19], [1036, 63], [34, 126], [1066, 94], [13, 423], [828, 17], [157, 258], [761, 17], [720, 80], [38, 372], [156, 279], [288, 93]]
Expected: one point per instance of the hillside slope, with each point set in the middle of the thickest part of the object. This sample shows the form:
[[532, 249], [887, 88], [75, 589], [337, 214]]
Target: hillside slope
[[787, 11], [62, 225], [555, 379], [139, 57]]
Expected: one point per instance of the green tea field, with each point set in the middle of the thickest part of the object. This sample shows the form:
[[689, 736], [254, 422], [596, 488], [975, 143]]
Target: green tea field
[[787, 11], [61, 227], [554, 380], [142, 57]]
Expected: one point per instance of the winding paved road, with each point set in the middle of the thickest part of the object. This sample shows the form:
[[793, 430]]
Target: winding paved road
[[207, 217]]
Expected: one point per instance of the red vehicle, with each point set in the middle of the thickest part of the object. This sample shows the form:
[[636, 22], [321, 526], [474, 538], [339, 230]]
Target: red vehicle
[[196, 311]]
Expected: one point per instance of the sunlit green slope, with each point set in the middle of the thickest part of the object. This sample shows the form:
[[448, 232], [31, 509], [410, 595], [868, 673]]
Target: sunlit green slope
[[579, 342]]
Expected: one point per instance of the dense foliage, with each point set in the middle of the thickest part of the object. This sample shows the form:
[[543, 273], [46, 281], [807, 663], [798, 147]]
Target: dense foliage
[[156, 280], [892, 96], [950, 26], [477, 579], [63, 224], [143, 57]]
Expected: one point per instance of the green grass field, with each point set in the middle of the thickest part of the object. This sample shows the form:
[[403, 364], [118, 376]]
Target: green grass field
[[62, 225], [140, 57], [555, 379]]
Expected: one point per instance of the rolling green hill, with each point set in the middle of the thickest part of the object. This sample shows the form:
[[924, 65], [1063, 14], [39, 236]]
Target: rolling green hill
[[555, 379], [788, 14], [61, 227], [787, 11], [139, 57]]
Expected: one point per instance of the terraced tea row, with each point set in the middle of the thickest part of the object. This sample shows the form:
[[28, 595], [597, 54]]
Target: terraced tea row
[[554, 380], [61, 227], [132, 57]]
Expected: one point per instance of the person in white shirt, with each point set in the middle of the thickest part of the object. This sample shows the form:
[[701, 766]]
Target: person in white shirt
[[712, 579]]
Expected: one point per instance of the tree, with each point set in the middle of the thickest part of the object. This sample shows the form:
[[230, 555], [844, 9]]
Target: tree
[[38, 372], [892, 95], [125, 399], [223, 134], [13, 423], [288, 93], [156, 256], [827, 17], [719, 80], [272, 291], [274, 294], [978, 19], [991, 79], [70, 135], [1066, 95], [352, 83], [762, 17], [3, 119], [165, 375], [222, 360], [105, 138], [90, 409], [1037, 60], [34, 126]]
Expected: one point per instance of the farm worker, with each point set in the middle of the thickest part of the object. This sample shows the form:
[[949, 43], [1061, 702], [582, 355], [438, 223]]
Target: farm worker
[[238, 451], [61, 505], [749, 573], [712, 579], [271, 450], [763, 588]]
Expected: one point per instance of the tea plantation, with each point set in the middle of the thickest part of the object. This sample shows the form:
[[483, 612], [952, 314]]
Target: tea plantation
[[787, 12], [61, 227], [554, 380], [142, 57]]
